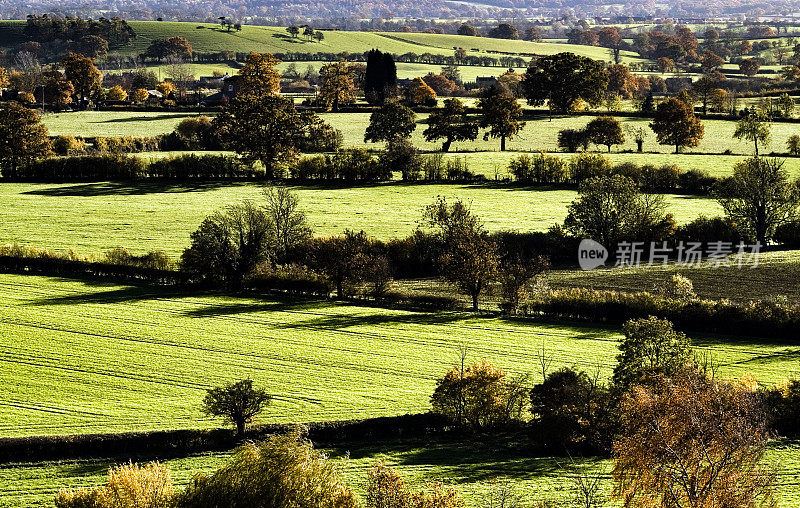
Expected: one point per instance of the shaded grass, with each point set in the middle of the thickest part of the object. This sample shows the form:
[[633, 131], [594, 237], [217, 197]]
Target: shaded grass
[[775, 276], [473, 468]]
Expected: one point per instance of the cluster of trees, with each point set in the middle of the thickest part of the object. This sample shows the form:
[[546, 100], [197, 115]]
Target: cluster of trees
[[677, 434], [759, 198], [307, 31], [51, 36], [164, 48], [284, 470], [500, 115]]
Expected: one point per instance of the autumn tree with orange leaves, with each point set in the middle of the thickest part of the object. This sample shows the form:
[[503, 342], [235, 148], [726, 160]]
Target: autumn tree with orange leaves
[[690, 441]]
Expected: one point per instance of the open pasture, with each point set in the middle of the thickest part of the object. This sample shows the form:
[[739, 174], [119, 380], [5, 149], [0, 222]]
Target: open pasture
[[541, 133], [112, 123], [94, 217], [92, 357]]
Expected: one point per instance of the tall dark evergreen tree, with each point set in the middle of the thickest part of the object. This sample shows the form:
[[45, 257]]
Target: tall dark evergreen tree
[[380, 79]]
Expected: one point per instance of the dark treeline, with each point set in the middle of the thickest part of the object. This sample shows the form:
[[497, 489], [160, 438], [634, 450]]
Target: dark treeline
[[179, 443]]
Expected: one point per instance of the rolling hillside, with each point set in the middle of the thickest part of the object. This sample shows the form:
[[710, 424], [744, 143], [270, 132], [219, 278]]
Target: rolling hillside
[[206, 37]]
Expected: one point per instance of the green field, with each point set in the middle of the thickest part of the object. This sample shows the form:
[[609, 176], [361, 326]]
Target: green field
[[95, 217], [206, 37], [92, 357], [540, 133], [471, 468]]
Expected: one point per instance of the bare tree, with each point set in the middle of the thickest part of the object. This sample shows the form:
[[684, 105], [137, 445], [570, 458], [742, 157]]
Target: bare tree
[[289, 222], [545, 360], [502, 494]]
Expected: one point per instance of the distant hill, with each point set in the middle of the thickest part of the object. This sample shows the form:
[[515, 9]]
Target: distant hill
[[207, 37]]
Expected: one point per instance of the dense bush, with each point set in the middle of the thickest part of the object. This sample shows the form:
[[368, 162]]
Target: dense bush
[[707, 230], [757, 318], [68, 145], [127, 144], [659, 179], [538, 169], [196, 167], [349, 165], [479, 397], [119, 265], [321, 138], [129, 485], [153, 260], [401, 156], [783, 408], [572, 413], [788, 234], [570, 140], [696, 181], [104, 167], [588, 165], [284, 470], [292, 279]]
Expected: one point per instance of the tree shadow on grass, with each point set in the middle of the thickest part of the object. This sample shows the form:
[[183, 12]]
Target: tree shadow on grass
[[94, 189], [114, 295], [83, 469], [337, 322], [254, 306], [469, 461], [144, 118]]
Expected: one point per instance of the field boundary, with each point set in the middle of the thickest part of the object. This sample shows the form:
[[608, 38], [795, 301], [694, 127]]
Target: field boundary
[[187, 441]]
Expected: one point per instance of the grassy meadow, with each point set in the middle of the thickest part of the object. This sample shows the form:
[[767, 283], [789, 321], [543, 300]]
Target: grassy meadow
[[540, 133], [90, 357], [94, 357], [94, 217], [208, 37]]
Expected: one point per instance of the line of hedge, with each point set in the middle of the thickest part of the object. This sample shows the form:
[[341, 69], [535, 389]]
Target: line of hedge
[[121, 167], [100, 270], [755, 318], [163, 443]]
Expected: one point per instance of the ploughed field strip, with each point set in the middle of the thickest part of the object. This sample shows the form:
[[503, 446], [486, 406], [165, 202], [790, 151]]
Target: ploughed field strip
[[90, 357]]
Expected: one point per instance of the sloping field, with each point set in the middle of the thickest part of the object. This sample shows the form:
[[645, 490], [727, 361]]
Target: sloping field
[[94, 217], [447, 41], [207, 37], [85, 357]]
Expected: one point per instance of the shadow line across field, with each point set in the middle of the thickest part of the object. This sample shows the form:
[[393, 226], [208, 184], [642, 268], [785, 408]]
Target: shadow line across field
[[142, 118], [336, 322], [98, 189]]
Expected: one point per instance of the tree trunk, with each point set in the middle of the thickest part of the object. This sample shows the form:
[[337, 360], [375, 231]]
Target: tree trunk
[[756, 142], [639, 146], [239, 428], [339, 289], [475, 301], [446, 145], [503, 143]]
